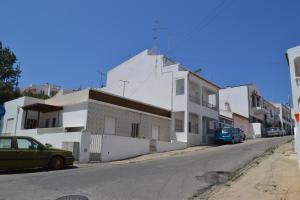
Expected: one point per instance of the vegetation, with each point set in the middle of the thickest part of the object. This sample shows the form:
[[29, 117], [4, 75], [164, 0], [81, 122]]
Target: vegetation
[[9, 75]]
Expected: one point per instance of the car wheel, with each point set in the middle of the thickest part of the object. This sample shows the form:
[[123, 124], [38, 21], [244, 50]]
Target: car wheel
[[56, 163]]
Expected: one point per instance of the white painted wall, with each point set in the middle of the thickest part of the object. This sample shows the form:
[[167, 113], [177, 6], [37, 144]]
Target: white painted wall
[[75, 115], [118, 147], [146, 78], [169, 146], [293, 54], [56, 140], [97, 112], [238, 99], [257, 127]]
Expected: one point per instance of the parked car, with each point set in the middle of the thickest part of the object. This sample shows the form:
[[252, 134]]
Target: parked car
[[274, 131], [26, 153], [228, 134], [242, 133]]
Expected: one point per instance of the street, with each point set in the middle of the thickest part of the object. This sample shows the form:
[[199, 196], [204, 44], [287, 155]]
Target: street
[[178, 177]]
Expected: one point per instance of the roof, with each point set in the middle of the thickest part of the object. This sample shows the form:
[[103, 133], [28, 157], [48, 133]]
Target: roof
[[128, 103], [41, 107]]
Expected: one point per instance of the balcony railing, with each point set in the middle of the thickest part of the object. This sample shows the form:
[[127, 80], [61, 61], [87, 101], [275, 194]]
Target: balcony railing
[[209, 105], [194, 99], [298, 80]]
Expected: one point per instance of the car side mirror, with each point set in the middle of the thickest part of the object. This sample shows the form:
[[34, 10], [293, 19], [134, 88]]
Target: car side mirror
[[48, 145]]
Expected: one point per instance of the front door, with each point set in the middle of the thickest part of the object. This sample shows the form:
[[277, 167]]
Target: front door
[[155, 132], [7, 154]]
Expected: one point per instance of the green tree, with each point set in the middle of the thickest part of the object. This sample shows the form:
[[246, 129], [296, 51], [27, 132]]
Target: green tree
[[9, 75]]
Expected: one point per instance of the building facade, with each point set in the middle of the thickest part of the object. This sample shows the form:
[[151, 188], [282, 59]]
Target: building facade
[[247, 102], [285, 118], [293, 58], [155, 79], [90, 111]]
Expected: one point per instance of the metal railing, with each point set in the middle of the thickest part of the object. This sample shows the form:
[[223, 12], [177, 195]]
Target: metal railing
[[209, 105], [298, 80], [194, 99]]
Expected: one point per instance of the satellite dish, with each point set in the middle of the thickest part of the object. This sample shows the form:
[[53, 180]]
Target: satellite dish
[[2, 111]]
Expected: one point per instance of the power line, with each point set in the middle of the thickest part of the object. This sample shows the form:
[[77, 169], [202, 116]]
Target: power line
[[209, 19]]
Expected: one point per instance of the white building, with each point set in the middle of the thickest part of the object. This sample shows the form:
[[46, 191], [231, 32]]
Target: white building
[[43, 89], [246, 101], [285, 117], [155, 79], [105, 126], [293, 57]]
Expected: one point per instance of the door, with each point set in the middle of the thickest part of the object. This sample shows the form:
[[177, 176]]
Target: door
[[29, 155], [155, 132], [110, 126], [9, 126], [7, 154]]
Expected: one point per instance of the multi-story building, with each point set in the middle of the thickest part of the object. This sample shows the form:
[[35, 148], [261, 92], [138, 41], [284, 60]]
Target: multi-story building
[[155, 79], [293, 58], [285, 117], [43, 89], [246, 101]]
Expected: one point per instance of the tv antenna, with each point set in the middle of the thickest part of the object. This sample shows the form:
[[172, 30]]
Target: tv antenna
[[124, 86]]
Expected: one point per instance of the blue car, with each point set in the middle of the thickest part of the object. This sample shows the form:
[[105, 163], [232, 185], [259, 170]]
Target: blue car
[[228, 134]]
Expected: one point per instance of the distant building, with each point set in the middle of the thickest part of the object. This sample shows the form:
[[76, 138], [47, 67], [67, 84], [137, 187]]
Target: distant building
[[245, 102], [43, 89], [285, 117]]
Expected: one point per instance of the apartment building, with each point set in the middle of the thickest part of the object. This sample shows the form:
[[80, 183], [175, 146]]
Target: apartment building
[[155, 79], [247, 102], [285, 117]]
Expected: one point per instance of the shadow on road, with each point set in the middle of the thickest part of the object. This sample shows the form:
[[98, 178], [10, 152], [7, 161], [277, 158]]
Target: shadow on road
[[28, 171]]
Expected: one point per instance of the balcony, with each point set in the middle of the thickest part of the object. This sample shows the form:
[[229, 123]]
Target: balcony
[[259, 110], [194, 99], [209, 105]]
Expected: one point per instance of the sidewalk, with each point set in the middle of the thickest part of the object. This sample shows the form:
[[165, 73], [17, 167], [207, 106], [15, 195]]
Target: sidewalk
[[276, 177]]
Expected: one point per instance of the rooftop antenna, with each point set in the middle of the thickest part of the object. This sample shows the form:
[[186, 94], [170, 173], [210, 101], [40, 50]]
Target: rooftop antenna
[[156, 28], [124, 86], [102, 76], [197, 71]]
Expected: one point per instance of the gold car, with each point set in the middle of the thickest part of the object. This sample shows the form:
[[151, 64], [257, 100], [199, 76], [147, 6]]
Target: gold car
[[20, 152]]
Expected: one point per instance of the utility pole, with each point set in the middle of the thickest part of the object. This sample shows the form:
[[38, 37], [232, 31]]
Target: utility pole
[[124, 86]]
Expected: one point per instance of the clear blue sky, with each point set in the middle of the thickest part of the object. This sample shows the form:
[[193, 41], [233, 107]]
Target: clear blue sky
[[233, 41]]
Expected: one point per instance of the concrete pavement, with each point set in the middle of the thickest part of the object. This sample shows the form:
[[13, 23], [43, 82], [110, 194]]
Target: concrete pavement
[[183, 176]]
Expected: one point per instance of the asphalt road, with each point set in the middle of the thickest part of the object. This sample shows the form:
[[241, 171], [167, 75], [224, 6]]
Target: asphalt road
[[177, 177]]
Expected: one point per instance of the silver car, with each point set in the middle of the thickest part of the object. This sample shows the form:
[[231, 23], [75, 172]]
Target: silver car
[[274, 132]]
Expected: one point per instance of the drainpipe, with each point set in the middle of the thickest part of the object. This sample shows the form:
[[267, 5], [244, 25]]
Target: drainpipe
[[16, 124]]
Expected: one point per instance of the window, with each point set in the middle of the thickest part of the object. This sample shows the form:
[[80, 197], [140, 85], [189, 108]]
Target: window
[[179, 86], [47, 123], [53, 122], [24, 143], [190, 127], [134, 130], [197, 128], [178, 125], [5, 143], [31, 124]]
